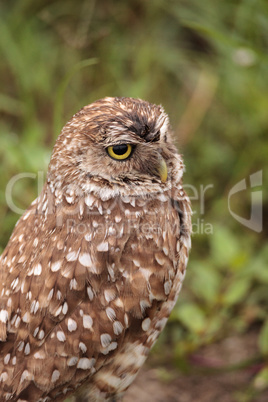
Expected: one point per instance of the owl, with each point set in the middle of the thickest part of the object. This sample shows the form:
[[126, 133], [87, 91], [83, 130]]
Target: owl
[[94, 266]]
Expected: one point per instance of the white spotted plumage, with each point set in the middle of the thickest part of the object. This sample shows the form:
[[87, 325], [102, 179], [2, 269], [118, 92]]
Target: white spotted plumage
[[94, 266]]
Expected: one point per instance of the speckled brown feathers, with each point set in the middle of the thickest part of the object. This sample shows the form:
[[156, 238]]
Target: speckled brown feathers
[[94, 266]]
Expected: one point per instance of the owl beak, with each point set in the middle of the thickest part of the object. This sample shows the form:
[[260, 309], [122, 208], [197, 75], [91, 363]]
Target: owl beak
[[162, 170]]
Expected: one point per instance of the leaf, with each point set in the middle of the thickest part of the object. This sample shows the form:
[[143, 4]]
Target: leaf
[[224, 246], [191, 316], [236, 291], [263, 338], [258, 266], [261, 380], [205, 281]]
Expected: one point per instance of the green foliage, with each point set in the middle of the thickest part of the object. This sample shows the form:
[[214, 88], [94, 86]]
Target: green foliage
[[206, 62], [261, 380], [263, 340]]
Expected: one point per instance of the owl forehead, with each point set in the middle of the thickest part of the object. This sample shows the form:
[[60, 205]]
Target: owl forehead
[[111, 119], [131, 126]]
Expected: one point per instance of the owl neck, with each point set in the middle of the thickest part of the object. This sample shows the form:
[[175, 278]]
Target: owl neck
[[103, 190], [79, 184]]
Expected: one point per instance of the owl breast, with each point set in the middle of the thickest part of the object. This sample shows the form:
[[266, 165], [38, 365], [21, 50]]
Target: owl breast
[[146, 255]]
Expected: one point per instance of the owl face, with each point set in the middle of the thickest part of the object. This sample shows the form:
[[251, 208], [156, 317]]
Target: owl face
[[120, 143]]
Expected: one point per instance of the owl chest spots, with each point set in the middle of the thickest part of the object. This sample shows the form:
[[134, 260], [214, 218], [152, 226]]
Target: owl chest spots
[[107, 225], [127, 241]]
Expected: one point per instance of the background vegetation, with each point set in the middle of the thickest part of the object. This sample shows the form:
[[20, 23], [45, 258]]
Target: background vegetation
[[207, 63]]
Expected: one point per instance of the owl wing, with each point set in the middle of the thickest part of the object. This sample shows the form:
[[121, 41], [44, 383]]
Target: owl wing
[[61, 312]]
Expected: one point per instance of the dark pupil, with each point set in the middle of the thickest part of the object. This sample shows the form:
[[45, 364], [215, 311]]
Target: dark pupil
[[120, 149]]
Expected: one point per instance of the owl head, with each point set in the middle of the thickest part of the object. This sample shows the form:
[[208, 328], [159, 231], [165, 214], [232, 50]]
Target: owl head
[[116, 145]]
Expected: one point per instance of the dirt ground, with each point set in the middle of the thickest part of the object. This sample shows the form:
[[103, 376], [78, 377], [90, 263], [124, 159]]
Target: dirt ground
[[226, 386]]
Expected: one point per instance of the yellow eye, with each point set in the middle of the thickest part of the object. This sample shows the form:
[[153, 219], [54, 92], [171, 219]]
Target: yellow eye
[[120, 151]]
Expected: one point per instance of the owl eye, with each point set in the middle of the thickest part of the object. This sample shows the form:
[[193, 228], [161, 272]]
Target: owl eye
[[120, 151]]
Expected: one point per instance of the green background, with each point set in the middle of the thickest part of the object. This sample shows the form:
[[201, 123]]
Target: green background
[[206, 62]]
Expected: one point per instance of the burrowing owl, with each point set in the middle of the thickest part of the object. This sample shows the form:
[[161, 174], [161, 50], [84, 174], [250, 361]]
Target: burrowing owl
[[94, 266]]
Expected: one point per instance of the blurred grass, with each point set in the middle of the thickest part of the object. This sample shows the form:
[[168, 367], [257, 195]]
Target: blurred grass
[[207, 63]]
